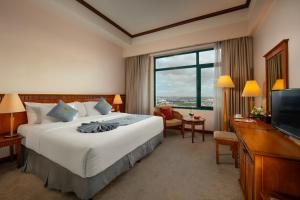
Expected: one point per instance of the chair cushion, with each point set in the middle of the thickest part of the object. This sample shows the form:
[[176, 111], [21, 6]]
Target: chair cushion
[[224, 135], [173, 122], [167, 111]]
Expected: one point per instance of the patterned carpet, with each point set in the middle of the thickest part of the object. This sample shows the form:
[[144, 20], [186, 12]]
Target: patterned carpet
[[176, 170]]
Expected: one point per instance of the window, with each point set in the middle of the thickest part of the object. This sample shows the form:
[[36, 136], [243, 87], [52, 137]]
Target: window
[[185, 80]]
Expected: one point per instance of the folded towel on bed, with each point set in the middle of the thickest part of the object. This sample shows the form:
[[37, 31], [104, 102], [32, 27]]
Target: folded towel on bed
[[97, 127]]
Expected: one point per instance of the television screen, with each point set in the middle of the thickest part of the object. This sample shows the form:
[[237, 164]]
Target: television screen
[[286, 111]]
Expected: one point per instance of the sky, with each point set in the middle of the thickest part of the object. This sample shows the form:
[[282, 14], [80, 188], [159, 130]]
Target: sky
[[182, 82]]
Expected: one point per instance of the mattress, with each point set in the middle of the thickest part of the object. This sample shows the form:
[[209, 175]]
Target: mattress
[[88, 154]]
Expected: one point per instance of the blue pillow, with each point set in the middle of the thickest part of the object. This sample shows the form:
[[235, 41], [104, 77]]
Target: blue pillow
[[63, 112], [103, 107]]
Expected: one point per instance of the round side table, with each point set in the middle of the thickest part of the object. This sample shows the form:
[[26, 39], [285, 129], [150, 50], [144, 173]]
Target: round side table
[[193, 122]]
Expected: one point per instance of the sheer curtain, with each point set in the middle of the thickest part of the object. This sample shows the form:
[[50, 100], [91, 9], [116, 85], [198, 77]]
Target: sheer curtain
[[218, 107], [137, 87], [234, 57]]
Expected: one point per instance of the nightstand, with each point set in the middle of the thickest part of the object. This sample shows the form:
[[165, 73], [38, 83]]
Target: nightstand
[[11, 142]]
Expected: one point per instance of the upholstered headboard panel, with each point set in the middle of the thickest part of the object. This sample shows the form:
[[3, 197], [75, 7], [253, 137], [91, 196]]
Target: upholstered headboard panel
[[21, 118]]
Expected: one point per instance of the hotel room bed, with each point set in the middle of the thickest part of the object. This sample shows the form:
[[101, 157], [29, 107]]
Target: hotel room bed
[[84, 163]]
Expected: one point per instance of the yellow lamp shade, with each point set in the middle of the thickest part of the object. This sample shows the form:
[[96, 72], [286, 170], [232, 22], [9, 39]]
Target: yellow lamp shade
[[117, 100], [279, 85], [225, 81], [251, 89], [11, 103]]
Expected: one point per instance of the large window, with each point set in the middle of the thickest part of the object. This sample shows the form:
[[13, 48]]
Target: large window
[[185, 80]]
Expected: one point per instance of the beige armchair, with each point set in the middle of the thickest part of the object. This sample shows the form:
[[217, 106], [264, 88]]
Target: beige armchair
[[175, 122]]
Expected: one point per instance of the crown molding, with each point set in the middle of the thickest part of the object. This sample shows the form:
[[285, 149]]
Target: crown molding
[[201, 17]]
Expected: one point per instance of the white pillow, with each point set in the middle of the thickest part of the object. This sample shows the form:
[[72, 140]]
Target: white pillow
[[90, 108], [37, 112], [45, 109], [81, 109], [33, 113]]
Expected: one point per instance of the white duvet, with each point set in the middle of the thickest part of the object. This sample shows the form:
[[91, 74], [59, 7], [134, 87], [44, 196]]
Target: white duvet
[[87, 154]]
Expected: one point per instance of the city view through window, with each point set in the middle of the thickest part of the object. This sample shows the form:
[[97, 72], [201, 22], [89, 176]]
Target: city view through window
[[185, 81]]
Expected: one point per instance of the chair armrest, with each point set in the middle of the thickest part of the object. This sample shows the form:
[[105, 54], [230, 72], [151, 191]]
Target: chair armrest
[[177, 115], [161, 115]]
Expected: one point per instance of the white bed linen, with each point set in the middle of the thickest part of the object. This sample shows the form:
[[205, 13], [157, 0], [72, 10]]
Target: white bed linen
[[88, 154]]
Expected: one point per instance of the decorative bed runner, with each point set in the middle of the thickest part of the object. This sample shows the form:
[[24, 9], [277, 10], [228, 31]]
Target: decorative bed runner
[[130, 119], [96, 127]]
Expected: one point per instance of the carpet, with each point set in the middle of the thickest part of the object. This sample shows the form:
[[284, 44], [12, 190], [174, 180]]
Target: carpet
[[176, 170]]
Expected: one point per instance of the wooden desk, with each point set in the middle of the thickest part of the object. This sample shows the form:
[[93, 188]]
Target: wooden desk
[[269, 161]]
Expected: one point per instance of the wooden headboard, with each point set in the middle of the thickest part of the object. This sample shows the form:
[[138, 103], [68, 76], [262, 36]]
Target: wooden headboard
[[21, 118]]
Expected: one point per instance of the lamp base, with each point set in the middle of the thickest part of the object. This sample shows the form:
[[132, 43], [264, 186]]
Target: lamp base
[[118, 108], [11, 136]]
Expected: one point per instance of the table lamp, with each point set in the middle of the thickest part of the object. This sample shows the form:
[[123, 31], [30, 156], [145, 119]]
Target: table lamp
[[11, 103], [251, 90], [279, 85], [225, 82], [118, 101]]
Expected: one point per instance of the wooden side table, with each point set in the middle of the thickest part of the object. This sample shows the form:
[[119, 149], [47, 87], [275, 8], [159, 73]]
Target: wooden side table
[[11, 142], [193, 122]]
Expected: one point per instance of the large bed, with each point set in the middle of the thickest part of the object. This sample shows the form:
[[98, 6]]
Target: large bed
[[84, 163]]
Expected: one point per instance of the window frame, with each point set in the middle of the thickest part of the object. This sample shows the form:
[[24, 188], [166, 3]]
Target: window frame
[[198, 68]]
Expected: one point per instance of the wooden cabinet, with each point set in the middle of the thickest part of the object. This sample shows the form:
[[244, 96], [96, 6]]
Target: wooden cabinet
[[249, 171], [269, 162], [242, 160], [246, 172]]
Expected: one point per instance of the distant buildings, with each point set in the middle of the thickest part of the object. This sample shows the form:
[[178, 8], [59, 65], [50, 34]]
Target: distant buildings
[[177, 101]]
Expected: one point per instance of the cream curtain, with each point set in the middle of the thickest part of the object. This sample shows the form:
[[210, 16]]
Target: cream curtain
[[236, 61], [137, 87]]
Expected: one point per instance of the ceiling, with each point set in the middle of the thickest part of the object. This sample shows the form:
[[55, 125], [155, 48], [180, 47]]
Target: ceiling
[[139, 17]]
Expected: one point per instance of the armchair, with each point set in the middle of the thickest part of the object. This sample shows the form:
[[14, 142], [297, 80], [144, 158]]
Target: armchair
[[174, 122]]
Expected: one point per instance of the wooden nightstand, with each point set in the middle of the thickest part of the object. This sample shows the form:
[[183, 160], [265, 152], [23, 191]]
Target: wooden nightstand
[[11, 142]]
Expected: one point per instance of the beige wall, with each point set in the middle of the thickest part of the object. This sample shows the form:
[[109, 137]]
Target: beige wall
[[47, 49], [282, 22]]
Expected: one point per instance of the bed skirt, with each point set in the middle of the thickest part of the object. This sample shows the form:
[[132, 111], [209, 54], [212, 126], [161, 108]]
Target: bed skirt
[[59, 178]]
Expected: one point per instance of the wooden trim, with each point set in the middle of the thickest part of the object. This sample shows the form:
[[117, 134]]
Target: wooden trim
[[95, 11], [21, 118], [201, 17], [280, 47]]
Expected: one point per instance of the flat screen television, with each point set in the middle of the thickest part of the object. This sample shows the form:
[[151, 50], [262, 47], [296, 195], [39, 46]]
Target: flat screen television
[[286, 111]]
